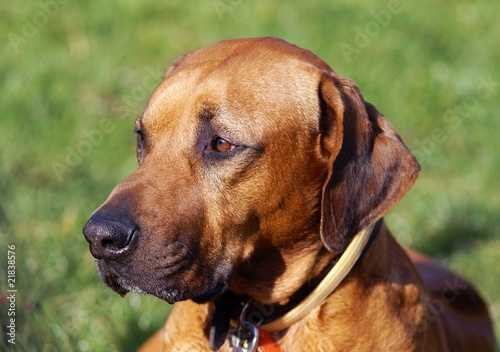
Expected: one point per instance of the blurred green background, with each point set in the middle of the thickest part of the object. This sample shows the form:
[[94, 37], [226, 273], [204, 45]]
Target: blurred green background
[[75, 74]]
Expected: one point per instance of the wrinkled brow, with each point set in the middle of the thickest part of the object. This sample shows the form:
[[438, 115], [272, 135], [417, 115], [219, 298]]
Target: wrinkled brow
[[207, 113]]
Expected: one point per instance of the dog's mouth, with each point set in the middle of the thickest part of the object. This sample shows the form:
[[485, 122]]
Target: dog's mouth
[[113, 282], [122, 284], [118, 283]]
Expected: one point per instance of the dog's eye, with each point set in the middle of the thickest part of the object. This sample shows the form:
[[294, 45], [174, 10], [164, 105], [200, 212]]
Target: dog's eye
[[140, 134], [140, 145], [221, 145], [140, 138]]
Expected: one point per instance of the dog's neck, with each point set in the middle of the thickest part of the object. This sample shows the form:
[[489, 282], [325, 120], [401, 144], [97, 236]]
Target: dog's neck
[[279, 316], [275, 275]]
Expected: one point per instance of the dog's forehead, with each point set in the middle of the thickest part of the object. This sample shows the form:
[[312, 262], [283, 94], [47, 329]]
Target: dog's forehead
[[247, 83]]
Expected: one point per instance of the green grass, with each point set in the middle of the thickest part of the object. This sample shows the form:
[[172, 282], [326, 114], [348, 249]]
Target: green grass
[[83, 64]]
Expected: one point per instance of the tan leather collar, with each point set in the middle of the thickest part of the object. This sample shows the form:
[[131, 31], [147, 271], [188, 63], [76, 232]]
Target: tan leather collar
[[329, 283], [230, 304]]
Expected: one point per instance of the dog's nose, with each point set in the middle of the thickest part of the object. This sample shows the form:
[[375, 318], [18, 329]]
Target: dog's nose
[[109, 238]]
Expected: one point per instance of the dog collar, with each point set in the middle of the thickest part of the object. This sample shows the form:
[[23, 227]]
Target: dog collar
[[329, 283]]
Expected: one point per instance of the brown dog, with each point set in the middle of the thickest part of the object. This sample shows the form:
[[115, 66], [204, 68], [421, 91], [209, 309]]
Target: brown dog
[[258, 166]]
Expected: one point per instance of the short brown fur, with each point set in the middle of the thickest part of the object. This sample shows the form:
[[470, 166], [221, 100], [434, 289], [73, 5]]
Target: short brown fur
[[312, 165]]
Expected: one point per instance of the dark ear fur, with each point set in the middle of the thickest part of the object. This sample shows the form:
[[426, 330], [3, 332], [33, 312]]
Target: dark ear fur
[[370, 168]]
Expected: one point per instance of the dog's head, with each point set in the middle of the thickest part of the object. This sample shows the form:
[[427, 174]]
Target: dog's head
[[254, 156]]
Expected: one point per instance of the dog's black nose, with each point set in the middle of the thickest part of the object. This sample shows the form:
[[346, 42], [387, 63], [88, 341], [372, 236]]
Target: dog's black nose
[[109, 238]]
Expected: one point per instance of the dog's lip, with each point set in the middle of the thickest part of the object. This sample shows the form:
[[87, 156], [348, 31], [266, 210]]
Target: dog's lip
[[115, 282], [112, 281], [120, 281]]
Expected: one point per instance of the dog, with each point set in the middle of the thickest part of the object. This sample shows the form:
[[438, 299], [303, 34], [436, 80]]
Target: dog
[[257, 209]]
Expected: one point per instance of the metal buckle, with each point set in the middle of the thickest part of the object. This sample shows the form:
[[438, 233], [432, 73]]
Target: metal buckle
[[246, 336]]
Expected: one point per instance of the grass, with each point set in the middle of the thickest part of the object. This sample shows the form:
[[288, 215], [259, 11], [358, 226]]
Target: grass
[[75, 75]]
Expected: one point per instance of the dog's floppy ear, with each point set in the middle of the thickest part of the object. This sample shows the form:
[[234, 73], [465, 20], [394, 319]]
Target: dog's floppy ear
[[370, 168]]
